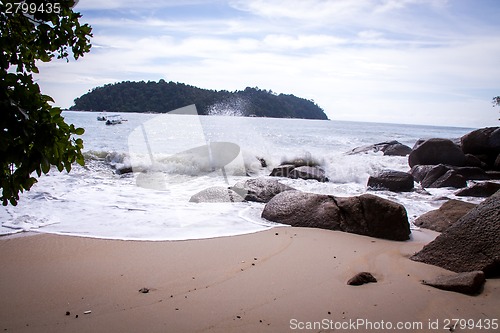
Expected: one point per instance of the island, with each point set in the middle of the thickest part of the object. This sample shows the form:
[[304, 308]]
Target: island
[[162, 97]]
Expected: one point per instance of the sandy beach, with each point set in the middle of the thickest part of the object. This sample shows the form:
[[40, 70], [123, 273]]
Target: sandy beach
[[279, 280]]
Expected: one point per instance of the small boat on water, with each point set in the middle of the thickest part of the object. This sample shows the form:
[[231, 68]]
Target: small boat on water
[[102, 117], [114, 120]]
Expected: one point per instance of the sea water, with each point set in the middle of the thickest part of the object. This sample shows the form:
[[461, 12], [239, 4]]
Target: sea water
[[152, 202]]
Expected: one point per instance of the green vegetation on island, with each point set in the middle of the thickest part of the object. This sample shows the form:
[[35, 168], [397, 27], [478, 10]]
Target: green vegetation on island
[[162, 97]]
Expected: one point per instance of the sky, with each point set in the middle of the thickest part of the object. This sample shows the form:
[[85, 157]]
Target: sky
[[431, 62]]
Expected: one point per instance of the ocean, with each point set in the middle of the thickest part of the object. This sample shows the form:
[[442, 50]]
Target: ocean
[[152, 203]]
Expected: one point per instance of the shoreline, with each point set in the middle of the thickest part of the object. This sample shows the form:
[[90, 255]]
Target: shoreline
[[270, 281]]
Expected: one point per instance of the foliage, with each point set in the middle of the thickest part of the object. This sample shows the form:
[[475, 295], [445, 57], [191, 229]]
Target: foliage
[[496, 101], [33, 134], [165, 96]]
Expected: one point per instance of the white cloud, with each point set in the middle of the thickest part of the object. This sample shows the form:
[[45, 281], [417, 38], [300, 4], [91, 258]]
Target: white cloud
[[356, 59]]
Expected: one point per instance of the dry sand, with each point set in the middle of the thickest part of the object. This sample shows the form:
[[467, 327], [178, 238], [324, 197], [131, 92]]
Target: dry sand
[[278, 280]]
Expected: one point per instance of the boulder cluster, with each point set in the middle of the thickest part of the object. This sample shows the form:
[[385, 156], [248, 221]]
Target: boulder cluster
[[438, 162], [469, 243]]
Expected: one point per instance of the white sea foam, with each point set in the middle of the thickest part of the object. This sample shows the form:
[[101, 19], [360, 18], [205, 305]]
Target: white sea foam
[[152, 203]]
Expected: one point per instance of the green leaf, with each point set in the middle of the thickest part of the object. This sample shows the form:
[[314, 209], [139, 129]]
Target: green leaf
[[36, 135], [79, 131]]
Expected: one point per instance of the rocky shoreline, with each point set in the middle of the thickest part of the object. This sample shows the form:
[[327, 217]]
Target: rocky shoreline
[[433, 163]]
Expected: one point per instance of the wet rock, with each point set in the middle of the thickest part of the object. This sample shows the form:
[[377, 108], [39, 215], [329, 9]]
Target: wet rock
[[470, 283], [282, 170], [216, 194], [396, 181], [434, 176], [361, 278], [308, 172], [302, 209], [365, 215], [389, 148], [444, 217], [436, 151], [483, 143], [485, 189], [471, 244], [259, 189]]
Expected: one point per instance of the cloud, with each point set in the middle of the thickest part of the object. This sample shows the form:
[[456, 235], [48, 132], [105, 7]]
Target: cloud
[[359, 60]]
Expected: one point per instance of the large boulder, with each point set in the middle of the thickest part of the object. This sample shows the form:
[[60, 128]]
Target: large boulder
[[444, 217], [470, 283], [471, 244], [396, 181], [302, 209], [365, 215], [216, 194], [436, 151], [485, 189], [482, 141], [389, 148], [259, 189]]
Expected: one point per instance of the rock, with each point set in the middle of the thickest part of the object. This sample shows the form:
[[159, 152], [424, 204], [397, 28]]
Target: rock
[[471, 244], [144, 290], [442, 218], [482, 141], [470, 283], [396, 181], [282, 170], [441, 175], [493, 174], [302, 209], [361, 278], [485, 189], [473, 161], [262, 161], [124, 170], [259, 189], [496, 166], [389, 148], [364, 215], [397, 149], [216, 194], [420, 171], [308, 160], [471, 173], [374, 216], [438, 176], [436, 151], [450, 179], [308, 172]]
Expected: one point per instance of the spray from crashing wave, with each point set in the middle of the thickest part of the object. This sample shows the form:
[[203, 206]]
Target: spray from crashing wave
[[234, 106]]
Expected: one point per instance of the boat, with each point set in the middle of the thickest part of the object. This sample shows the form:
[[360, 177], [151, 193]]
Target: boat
[[114, 120], [102, 117]]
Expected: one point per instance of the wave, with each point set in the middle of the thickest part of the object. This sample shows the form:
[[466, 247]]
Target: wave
[[339, 168]]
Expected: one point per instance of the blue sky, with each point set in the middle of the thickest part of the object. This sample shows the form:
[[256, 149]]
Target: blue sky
[[401, 61]]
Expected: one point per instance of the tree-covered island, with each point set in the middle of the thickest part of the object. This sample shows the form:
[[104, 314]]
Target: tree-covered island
[[162, 97]]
